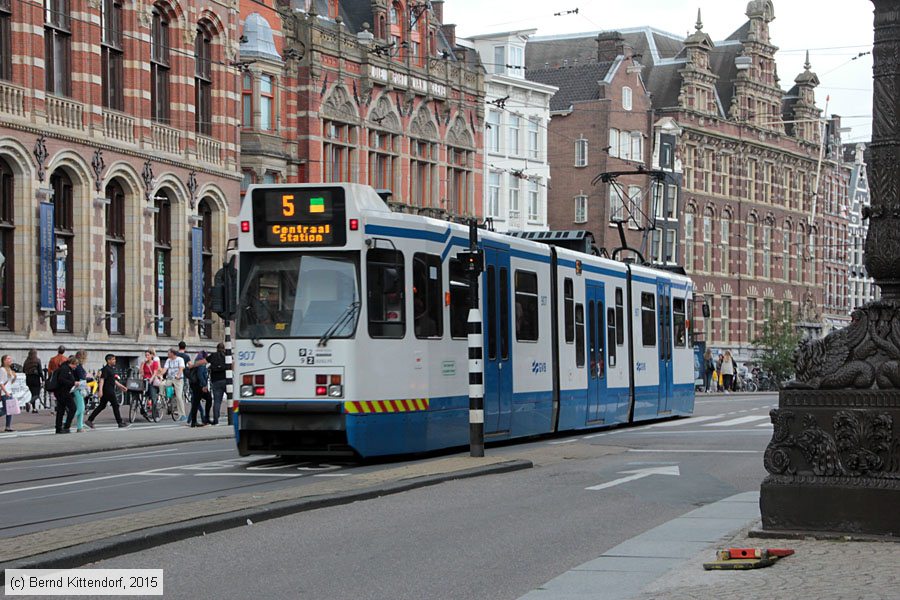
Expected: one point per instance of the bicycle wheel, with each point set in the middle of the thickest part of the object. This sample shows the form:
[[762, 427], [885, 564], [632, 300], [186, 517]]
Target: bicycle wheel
[[134, 408], [751, 386], [172, 408]]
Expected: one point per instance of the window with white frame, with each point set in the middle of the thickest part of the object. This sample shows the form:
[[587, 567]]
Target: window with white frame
[[624, 145], [513, 196], [637, 153], [725, 238], [634, 206], [726, 318], [657, 199], [493, 195], [581, 152], [492, 135], [514, 126], [626, 98], [266, 103], [534, 214], [751, 247], [616, 205], [517, 60], [500, 59], [613, 142], [689, 241], [581, 209], [672, 202], [670, 245], [656, 246], [767, 250], [534, 136], [751, 319], [707, 240]]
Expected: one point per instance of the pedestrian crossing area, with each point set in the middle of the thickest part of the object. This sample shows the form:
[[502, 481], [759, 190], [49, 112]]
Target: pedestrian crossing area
[[756, 417]]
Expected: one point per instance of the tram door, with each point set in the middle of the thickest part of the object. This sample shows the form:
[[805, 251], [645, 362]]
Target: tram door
[[497, 348], [596, 341], [664, 344]]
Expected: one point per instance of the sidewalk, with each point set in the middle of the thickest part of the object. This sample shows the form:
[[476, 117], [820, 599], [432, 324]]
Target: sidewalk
[[35, 435], [666, 563]]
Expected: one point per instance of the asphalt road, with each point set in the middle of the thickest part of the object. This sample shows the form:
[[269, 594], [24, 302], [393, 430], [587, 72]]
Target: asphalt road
[[48, 493], [496, 537]]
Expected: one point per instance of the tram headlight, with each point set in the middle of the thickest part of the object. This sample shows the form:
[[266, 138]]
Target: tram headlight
[[335, 391], [246, 391], [289, 375]]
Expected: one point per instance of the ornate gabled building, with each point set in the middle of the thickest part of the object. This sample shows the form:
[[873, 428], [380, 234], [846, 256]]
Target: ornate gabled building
[[118, 172], [861, 287], [763, 218], [376, 92]]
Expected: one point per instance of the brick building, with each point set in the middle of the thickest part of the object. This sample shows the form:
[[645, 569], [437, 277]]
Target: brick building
[[600, 122], [376, 92], [118, 171], [759, 237]]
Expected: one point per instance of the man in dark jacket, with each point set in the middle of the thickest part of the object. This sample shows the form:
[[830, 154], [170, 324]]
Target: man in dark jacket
[[65, 403], [217, 381], [199, 380]]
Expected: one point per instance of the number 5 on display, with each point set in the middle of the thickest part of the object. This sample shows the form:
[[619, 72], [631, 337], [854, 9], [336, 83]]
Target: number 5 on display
[[287, 205]]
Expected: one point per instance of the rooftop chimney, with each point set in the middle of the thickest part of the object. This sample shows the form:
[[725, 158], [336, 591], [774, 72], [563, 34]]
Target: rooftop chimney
[[437, 6], [610, 44], [450, 34]]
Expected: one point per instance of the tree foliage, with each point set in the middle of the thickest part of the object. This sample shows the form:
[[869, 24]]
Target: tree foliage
[[775, 347]]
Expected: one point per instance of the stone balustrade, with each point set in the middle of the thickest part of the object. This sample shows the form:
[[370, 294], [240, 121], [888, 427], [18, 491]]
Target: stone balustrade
[[118, 126], [12, 99], [64, 112], [166, 139], [209, 150]]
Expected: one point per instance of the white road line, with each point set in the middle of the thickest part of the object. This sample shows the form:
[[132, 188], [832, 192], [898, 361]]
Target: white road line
[[248, 475], [672, 451], [738, 421], [765, 424], [697, 431], [76, 482], [332, 475], [689, 421], [562, 442]]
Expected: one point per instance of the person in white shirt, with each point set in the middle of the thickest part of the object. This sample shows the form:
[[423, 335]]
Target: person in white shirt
[[173, 373]]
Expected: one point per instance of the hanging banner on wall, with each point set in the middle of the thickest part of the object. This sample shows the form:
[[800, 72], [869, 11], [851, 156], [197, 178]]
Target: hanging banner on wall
[[47, 258], [196, 273]]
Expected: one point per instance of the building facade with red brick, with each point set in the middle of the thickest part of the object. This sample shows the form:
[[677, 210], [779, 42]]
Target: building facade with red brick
[[378, 92], [120, 119]]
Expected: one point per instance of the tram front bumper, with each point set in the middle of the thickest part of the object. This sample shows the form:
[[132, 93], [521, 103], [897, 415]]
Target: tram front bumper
[[292, 427]]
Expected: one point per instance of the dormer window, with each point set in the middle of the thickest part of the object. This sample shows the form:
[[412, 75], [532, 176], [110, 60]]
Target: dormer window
[[500, 60]]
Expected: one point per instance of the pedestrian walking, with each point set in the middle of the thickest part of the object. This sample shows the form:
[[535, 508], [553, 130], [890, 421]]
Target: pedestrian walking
[[173, 372], [34, 379], [188, 366], [10, 404], [57, 361], [709, 367], [65, 401], [199, 380], [109, 381], [217, 381], [727, 371], [80, 390]]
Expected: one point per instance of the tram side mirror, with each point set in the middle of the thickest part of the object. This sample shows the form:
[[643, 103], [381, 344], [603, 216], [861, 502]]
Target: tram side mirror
[[705, 310]]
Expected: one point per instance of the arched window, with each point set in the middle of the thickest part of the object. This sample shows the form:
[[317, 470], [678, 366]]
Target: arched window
[[7, 231], [65, 244], [162, 263], [159, 65], [57, 47], [708, 216], [203, 80], [689, 240], [206, 223], [751, 246], [396, 17], [115, 259], [725, 243]]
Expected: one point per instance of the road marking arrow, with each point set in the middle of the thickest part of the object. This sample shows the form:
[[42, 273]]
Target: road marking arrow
[[637, 474]]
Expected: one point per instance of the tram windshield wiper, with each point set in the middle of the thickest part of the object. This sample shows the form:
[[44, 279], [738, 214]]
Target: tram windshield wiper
[[344, 318]]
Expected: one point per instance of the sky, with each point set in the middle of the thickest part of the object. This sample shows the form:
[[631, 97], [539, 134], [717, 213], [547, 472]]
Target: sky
[[834, 31]]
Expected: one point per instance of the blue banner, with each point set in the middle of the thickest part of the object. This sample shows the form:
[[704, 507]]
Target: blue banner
[[196, 273], [47, 258]]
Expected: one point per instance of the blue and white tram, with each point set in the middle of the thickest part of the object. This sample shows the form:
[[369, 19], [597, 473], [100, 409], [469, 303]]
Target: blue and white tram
[[351, 331]]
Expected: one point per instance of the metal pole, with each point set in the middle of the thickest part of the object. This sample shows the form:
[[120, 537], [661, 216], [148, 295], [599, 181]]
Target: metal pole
[[229, 373], [476, 350]]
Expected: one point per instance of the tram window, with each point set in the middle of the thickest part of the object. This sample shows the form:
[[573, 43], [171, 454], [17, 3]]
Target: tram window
[[579, 335], [620, 318], [428, 291], [526, 307], [385, 275], [601, 356], [459, 299], [504, 313], [690, 321], [492, 312], [648, 319], [569, 308], [611, 335], [679, 318]]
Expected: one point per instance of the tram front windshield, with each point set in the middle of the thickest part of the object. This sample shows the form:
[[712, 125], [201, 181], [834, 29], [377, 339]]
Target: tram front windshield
[[295, 295]]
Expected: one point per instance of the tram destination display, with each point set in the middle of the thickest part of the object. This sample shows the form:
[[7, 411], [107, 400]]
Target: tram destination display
[[296, 217]]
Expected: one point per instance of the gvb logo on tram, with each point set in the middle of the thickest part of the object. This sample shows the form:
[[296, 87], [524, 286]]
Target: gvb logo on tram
[[348, 315]]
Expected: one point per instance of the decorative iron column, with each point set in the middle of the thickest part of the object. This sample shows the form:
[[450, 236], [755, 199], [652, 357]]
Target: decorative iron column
[[834, 457]]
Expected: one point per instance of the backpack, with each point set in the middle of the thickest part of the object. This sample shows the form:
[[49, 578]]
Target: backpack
[[53, 382], [193, 376]]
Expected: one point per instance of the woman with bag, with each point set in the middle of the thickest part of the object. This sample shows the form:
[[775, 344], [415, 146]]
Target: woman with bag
[[149, 369], [34, 375], [80, 389], [10, 404]]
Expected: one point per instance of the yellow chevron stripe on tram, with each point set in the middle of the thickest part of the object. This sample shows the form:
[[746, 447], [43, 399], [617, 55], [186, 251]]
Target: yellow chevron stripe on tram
[[385, 406]]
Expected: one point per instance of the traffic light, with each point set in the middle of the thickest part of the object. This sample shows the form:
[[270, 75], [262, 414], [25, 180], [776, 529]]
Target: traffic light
[[473, 261], [223, 294]]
